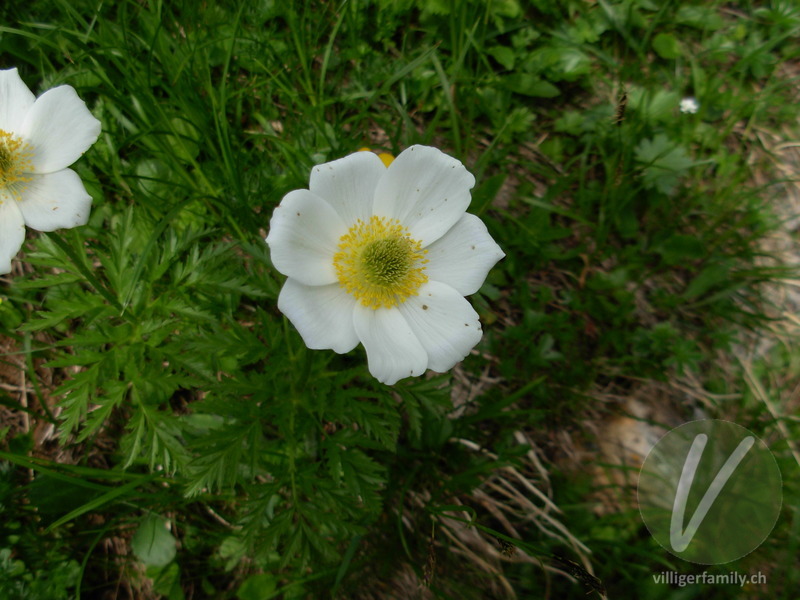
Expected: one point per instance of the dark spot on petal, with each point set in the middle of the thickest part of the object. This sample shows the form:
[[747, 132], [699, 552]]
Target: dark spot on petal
[[473, 247], [298, 214], [424, 307]]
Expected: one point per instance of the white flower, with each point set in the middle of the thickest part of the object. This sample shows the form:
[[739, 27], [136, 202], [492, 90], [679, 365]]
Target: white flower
[[689, 106], [39, 138], [384, 256]]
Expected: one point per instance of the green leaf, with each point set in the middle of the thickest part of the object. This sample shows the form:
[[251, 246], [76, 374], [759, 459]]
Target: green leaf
[[506, 8], [571, 63], [664, 162], [530, 85], [346, 560], [679, 248], [708, 278], [486, 192], [53, 497], [659, 105], [504, 55], [257, 587], [666, 45], [704, 18], [184, 140], [153, 543], [167, 581], [112, 494]]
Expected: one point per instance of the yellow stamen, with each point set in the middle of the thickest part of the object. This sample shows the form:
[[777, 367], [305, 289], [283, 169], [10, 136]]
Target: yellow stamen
[[15, 163], [385, 157], [379, 263]]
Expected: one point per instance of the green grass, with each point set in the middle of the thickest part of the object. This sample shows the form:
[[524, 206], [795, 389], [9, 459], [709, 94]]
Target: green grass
[[633, 239]]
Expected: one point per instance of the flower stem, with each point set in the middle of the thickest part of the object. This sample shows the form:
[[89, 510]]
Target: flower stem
[[298, 386]]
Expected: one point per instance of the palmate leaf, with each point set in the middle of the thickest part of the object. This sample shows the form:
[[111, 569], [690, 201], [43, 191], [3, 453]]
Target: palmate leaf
[[663, 163], [310, 517], [312, 532]]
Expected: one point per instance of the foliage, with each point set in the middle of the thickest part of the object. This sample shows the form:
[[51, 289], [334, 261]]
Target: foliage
[[633, 240]]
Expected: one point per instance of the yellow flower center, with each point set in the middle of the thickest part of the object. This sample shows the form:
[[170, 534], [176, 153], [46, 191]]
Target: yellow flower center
[[379, 263], [15, 163]]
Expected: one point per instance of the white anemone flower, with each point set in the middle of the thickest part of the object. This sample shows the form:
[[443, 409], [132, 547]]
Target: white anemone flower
[[384, 256], [689, 106], [40, 138]]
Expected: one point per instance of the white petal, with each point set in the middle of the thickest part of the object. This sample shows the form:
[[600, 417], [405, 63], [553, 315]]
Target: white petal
[[426, 190], [348, 184], [12, 231], [393, 351], [54, 201], [15, 100], [322, 314], [463, 256], [444, 322], [60, 128], [303, 236]]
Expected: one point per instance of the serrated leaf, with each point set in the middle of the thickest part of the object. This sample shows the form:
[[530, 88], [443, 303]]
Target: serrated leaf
[[334, 457], [52, 280], [86, 357], [47, 320], [221, 455]]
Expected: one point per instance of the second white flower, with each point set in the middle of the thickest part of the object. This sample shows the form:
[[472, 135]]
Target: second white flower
[[39, 139]]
